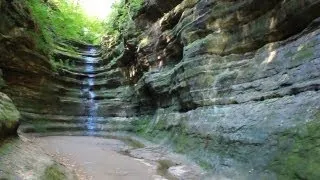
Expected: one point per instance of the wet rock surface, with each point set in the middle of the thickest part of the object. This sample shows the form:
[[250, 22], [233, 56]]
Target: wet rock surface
[[116, 156], [97, 157]]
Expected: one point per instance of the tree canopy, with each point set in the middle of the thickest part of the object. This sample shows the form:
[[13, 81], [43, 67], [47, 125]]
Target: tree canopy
[[65, 19]]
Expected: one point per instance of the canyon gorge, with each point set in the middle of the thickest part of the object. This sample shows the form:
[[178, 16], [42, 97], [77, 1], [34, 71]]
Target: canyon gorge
[[199, 89]]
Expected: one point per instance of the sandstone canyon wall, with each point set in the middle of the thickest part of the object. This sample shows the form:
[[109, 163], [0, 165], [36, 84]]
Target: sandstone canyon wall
[[232, 84]]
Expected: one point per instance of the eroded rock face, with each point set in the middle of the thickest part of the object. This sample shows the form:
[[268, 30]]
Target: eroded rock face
[[152, 10], [232, 83], [9, 116], [26, 70], [34, 85]]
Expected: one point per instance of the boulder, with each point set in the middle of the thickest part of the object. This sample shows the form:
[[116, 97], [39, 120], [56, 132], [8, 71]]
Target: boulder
[[9, 116]]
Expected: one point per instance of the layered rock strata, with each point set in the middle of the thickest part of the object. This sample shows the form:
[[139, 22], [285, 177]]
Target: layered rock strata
[[232, 84], [56, 90]]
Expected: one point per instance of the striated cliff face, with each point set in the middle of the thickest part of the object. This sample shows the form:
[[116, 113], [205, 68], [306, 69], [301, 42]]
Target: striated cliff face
[[65, 89], [25, 70], [9, 115], [42, 83], [233, 84]]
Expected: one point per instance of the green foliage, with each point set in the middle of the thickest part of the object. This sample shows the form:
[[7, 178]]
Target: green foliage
[[42, 34], [59, 63], [140, 125], [60, 19], [54, 172], [120, 20]]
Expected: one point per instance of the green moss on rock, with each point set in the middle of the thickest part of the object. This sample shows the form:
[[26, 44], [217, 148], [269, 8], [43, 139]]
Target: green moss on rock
[[304, 53], [177, 136], [163, 166], [140, 126], [54, 172], [9, 116], [39, 125], [299, 156]]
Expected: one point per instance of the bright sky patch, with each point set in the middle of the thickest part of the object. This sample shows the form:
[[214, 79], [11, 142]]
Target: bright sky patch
[[97, 8]]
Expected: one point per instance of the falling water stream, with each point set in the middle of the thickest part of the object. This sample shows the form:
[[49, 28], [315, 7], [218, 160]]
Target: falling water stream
[[90, 157], [90, 103]]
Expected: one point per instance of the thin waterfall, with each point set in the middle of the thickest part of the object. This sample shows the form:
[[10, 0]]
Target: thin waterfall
[[90, 103]]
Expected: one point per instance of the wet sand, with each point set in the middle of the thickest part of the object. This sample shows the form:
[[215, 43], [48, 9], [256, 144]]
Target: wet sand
[[97, 158]]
